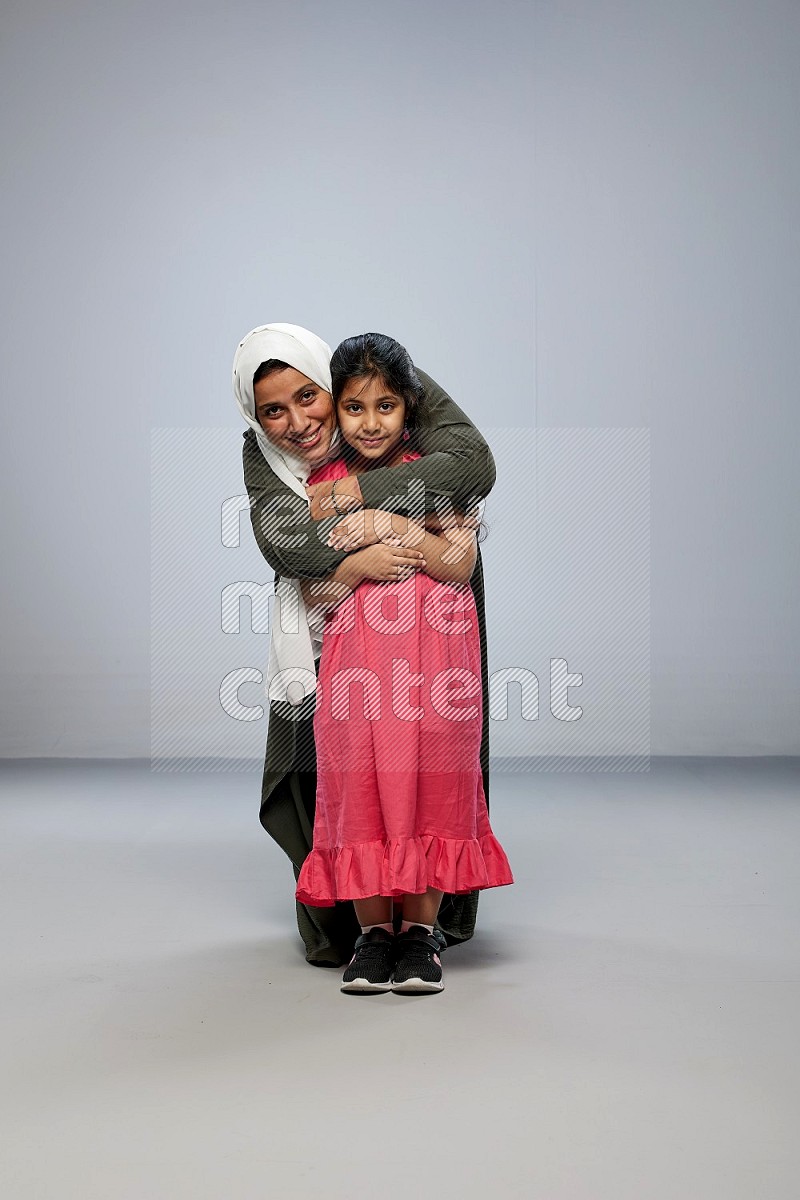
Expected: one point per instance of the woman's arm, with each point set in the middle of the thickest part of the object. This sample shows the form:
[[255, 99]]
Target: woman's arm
[[291, 542], [456, 465]]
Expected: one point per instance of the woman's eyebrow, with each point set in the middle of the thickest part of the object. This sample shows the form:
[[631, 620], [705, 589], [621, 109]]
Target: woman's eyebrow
[[295, 396]]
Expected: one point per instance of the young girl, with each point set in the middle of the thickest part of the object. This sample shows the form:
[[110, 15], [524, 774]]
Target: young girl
[[401, 813]]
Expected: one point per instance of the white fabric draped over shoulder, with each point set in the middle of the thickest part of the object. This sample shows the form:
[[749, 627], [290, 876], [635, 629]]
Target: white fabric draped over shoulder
[[294, 643]]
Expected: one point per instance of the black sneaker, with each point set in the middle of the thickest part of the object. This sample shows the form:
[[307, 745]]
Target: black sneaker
[[370, 968], [418, 967], [437, 933]]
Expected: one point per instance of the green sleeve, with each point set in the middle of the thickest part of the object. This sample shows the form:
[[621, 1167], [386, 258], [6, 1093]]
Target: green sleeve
[[457, 464], [290, 541]]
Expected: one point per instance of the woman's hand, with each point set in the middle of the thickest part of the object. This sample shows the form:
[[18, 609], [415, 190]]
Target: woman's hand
[[347, 496], [388, 564]]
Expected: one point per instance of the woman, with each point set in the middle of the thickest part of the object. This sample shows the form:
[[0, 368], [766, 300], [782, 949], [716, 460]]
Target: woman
[[291, 422]]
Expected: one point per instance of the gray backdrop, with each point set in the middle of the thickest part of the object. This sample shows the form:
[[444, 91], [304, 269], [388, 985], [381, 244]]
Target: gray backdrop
[[577, 216]]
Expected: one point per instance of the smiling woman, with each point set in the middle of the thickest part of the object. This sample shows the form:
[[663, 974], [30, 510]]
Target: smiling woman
[[296, 414]]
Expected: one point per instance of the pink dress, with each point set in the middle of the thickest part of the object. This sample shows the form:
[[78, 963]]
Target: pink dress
[[400, 802]]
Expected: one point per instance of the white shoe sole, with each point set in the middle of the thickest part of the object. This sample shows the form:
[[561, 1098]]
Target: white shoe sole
[[416, 985], [363, 986]]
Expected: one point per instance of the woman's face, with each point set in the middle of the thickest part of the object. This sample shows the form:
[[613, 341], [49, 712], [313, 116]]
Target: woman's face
[[371, 417], [296, 414]]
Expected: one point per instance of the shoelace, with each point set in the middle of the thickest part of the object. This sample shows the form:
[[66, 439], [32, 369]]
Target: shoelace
[[372, 950], [417, 950]]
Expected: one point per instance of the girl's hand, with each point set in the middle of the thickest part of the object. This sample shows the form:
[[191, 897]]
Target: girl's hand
[[367, 527], [388, 564]]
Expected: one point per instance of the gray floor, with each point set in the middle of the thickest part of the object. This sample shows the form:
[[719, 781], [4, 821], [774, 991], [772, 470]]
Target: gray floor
[[623, 1025]]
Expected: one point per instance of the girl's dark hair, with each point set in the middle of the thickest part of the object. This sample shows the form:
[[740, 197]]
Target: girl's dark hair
[[270, 367], [374, 354]]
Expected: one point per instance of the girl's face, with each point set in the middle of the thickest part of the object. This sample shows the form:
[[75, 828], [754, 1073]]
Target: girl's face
[[371, 417]]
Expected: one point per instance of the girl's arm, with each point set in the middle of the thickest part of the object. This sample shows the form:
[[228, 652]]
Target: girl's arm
[[450, 553], [450, 557], [450, 550], [382, 562]]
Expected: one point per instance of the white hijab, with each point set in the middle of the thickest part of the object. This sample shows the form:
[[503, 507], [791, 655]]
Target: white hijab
[[294, 645]]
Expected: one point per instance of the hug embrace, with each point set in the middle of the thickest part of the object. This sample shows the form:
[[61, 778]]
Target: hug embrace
[[365, 483]]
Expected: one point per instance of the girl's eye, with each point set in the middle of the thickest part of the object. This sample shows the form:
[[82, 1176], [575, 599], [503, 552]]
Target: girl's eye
[[352, 407]]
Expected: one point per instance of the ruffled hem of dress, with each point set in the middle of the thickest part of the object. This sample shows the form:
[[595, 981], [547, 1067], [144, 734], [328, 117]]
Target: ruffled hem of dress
[[402, 866]]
